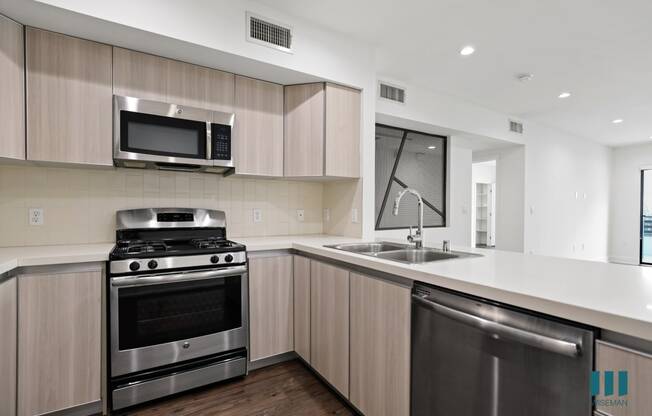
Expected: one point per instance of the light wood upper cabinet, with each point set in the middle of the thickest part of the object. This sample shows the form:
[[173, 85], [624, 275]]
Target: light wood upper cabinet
[[258, 130], [329, 324], [59, 339], [8, 310], [380, 347], [342, 131], [150, 77], [639, 373], [304, 130], [69, 116], [302, 307], [322, 130], [270, 306], [12, 85]]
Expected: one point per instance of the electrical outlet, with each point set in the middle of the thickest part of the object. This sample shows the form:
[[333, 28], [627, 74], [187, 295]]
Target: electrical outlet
[[354, 216], [327, 215], [36, 216], [301, 215], [258, 215]]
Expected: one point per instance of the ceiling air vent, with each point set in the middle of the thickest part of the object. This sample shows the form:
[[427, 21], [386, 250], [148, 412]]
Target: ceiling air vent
[[515, 127], [264, 31], [391, 92]]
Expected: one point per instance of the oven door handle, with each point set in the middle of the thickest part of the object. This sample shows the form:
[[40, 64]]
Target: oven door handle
[[126, 281], [544, 342]]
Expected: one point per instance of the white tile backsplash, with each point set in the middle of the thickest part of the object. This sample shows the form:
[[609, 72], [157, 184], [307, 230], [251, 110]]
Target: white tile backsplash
[[80, 204]]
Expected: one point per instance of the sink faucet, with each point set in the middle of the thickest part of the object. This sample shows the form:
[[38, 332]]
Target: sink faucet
[[417, 238]]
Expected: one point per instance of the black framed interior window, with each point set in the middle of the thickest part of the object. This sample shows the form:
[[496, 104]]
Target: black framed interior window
[[410, 159]]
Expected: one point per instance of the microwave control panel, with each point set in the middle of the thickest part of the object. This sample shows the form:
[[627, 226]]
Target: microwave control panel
[[221, 137]]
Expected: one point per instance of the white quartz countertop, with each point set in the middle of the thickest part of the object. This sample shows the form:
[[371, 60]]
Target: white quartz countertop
[[13, 257], [609, 296]]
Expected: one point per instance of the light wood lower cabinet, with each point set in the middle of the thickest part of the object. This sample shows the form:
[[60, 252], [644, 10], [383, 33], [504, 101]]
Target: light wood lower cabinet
[[639, 371], [59, 339], [69, 111], [302, 307], [329, 324], [8, 347], [270, 306], [12, 86], [380, 347]]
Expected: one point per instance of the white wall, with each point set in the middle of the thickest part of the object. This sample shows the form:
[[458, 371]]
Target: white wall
[[458, 229], [567, 195], [625, 208]]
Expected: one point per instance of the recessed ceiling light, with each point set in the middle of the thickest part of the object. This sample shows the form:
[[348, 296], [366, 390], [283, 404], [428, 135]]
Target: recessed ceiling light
[[467, 50], [617, 121], [564, 95], [432, 147]]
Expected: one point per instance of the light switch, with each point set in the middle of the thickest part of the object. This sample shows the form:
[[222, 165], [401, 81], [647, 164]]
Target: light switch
[[327, 215], [301, 215], [354, 216]]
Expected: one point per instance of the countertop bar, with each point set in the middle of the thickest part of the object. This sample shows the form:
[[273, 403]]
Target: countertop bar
[[609, 296]]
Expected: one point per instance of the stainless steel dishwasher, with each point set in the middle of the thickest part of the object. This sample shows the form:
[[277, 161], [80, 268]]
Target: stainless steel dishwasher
[[472, 357]]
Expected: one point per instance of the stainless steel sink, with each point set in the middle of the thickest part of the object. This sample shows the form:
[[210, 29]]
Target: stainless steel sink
[[422, 255], [402, 253], [369, 248]]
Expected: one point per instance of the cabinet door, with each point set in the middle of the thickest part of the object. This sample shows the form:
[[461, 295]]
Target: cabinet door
[[59, 339], [8, 347], [302, 307], [258, 130], [150, 77], [380, 347], [68, 99], [342, 131], [304, 130], [12, 85], [270, 306], [639, 373], [329, 324]]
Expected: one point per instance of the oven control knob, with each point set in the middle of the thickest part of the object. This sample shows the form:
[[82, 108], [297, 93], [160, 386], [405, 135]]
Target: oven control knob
[[215, 259], [152, 264], [228, 258], [134, 265]]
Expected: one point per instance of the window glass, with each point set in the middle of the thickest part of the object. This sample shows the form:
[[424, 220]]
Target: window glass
[[408, 159]]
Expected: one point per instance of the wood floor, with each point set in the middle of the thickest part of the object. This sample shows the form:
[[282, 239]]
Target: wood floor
[[284, 389]]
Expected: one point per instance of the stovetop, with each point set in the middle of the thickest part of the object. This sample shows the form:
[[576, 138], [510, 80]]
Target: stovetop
[[134, 249]]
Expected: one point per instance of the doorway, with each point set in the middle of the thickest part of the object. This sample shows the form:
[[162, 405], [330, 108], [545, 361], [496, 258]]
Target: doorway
[[646, 217], [483, 217]]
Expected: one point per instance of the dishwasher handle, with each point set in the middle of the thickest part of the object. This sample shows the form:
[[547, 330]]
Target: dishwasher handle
[[544, 342]]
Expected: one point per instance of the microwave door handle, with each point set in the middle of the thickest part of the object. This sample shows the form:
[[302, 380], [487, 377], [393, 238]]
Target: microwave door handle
[[544, 342], [209, 141], [127, 281]]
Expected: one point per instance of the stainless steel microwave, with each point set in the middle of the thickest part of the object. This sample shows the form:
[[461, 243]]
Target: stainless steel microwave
[[152, 134]]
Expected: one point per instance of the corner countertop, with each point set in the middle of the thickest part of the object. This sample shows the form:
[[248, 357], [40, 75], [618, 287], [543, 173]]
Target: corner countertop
[[609, 296], [14, 257]]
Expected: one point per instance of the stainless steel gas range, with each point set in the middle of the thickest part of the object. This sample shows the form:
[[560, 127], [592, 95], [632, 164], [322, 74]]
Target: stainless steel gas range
[[178, 313]]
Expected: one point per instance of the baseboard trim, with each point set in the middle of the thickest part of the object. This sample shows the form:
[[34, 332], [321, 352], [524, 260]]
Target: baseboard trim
[[86, 409], [274, 359]]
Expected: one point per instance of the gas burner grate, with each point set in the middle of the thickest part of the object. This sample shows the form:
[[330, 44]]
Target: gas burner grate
[[212, 242], [138, 246]]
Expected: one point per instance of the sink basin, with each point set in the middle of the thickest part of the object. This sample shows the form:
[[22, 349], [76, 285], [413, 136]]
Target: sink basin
[[412, 255], [369, 248], [402, 253]]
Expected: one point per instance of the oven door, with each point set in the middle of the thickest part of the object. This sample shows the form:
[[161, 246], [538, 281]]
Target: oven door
[[156, 134], [164, 319]]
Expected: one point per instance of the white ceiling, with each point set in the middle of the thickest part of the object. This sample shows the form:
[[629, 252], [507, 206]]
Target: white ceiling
[[597, 49]]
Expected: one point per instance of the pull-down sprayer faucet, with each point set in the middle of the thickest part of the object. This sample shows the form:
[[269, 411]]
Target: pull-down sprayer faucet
[[417, 239]]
